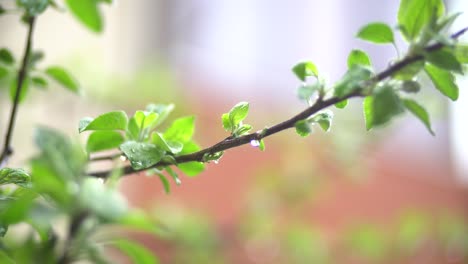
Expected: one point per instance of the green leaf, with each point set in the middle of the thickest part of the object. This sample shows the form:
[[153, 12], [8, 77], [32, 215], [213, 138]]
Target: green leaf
[[106, 202], [133, 130], [303, 128], [136, 252], [103, 140], [461, 53], [305, 91], [324, 119], [64, 78], [14, 176], [24, 89], [139, 220], [413, 15], [173, 147], [162, 110], [305, 69], [410, 71], [6, 56], [173, 174], [342, 104], [17, 210], [410, 86], [367, 106], [39, 82], [33, 7], [87, 12], [262, 145], [181, 129], [4, 258], [352, 80], [358, 57], [419, 112], [238, 113], [227, 122], [444, 59], [242, 130], [379, 33], [145, 119], [141, 155], [35, 57], [116, 120], [3, 72], [386, 104], [165, 183], [443, 80], [191, 168]]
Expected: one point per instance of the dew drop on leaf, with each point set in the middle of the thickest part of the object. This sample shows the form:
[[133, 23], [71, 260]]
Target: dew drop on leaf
[[178, 181], [255, 143]]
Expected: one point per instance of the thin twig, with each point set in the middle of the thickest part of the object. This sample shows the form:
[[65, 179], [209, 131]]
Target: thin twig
[[319, 105], [22, 73]]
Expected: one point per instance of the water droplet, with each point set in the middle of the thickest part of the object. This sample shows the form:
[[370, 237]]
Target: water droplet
[[216, 161], [123, 158], [177, 181], [255, 143]]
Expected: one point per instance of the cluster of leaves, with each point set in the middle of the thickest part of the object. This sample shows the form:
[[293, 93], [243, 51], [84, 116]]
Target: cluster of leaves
[[140, 142], [57, 188], [423, 24]]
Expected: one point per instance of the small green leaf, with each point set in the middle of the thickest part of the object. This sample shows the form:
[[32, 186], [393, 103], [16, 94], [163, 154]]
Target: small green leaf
[[386, 104], [342, 104], [173, 174], [352, 81], [324, 119], [238, 113], [64, 78], [461, 53], [304, 70], [111, 206], [103, 140], [173, 147], [39, 82], [181, 129], [145, 119], [162, 110], [410, 71], [368, 108], [116, 120], [35, 57], [305, 91], [358, 57], [262, 145], [14, 176], [165, 183], [3, 72], [443, 80], [444, 59], [133, 130], [227, 122], [136, 252], [24, 89], [303, 128], [410, 86], [414, 15], [419, 112], [142, 155], [379, 33], [87, 12], [191, 168], [6, 56], [242, 130]]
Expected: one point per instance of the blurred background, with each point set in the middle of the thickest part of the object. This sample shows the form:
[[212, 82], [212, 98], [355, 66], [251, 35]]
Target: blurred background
[[392, 195]]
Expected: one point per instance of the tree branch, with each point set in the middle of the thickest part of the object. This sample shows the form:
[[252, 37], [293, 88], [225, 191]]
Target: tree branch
[[319, 105], [22, 74]]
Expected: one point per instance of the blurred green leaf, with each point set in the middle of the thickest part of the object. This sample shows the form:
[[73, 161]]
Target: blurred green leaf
[[352, 80], [414, 15], [162, 110], [87, 12], [461, 52], [385, 105], [443, 80], [140, 220], [33, 7], [24, 89], [303, 128], [39, 82], [305, 91], [104, 201], [410, 86], [410, 71], [4, 258], [369, 242], [181, 129], [412, 231], [367, 107], [262, 145], [142, 155], [358, 57], [304, 70], [17, 210], [420, 112], [342, 104], [116, 120], [165, 183], [444, 59], [14, 176], [103, 140], [136, 252], [324, 120], [63, 77], [377, 32], [173, 174], [6, 56], [3, 72]]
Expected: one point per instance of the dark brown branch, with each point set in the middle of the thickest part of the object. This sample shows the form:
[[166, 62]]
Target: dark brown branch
[[22, 74], [320, 104]]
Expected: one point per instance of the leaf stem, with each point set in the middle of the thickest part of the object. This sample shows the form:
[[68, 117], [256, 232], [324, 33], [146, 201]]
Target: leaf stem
[[22, 74]]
